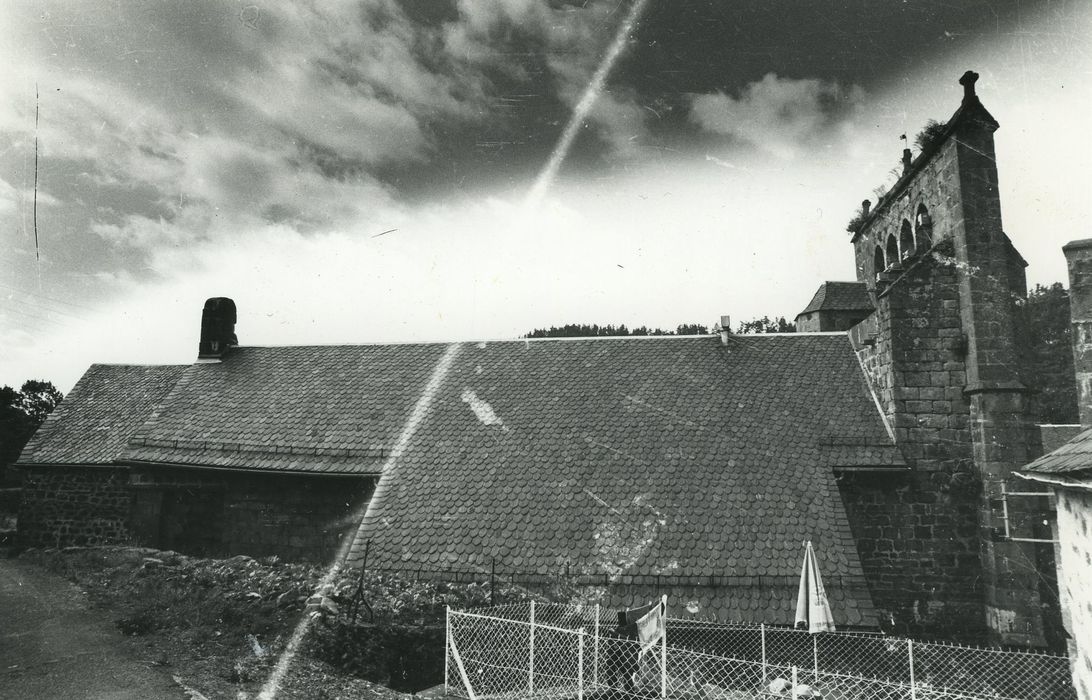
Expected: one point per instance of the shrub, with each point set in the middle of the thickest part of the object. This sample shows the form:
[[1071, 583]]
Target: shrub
[[930, 134]]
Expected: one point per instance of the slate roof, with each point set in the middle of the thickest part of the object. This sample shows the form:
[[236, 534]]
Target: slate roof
[[840, 296], [1070, 459], [93, 423], [630, 458], [625, 459], [334, 409]]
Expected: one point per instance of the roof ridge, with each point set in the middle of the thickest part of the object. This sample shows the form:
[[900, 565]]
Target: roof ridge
[[479, 341], [140, 365]]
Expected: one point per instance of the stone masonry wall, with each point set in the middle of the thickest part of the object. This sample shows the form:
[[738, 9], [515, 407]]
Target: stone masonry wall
[[73, 506], [1075, 573], [296, 517], [305, 521], [917, 531], [827, 321], [936, 187]]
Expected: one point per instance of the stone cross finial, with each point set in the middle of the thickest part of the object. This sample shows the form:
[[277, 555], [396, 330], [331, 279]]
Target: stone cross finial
[[967, 81]]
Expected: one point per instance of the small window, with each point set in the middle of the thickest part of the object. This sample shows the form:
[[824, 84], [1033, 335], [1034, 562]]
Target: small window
[[877, 261], [906, 240], [923, 228], [892, 251]]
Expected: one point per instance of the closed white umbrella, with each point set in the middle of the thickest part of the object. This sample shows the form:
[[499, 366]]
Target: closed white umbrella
[[812, 606]]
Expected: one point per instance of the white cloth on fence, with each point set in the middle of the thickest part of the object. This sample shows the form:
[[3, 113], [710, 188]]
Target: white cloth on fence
[[650, 628]]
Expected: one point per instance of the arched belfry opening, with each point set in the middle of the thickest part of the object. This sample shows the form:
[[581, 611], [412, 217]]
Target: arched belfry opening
[[877, 261], [923, 228], [906, 240], [892, 251]]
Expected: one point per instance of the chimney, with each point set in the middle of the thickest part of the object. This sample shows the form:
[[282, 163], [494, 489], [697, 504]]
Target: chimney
[[725, 329], [906, 159], [217, 329], [865, 207], [1078, 258]]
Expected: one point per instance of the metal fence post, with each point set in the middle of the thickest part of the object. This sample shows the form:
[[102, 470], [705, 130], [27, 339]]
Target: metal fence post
[[595, 660], [815, 655], [795, 682], [910, 655], [762, 630], [663, 648], [580, 665], [447, 646], [531, 661]]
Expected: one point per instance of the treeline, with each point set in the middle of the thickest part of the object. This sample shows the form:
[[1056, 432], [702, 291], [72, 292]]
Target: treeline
[[21, 412], [583, 330], [1047, 353]]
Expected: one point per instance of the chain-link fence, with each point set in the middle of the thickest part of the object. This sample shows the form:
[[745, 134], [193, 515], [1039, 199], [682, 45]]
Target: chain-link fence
[[986, 672], [527, 650]]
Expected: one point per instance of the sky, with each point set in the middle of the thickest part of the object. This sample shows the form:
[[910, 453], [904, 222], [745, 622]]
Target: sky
[[360, 171]]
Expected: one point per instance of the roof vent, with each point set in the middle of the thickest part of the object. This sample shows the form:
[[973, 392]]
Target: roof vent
[[217, 329]]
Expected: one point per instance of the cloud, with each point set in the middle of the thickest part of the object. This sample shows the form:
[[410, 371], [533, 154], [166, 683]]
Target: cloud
[[171, 124], [556, 49], [9, 198], [782, 116]]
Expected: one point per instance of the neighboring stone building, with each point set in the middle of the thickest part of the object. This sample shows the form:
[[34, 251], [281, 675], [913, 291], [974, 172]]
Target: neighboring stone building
[[695, 464], [1067, 470], [836, 306], [258, 454]]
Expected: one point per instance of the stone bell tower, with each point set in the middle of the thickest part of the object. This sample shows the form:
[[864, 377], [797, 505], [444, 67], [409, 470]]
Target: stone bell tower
[[941, 352]]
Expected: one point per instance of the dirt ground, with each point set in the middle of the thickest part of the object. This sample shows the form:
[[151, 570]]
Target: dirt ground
[[52, 645], [58, 640]]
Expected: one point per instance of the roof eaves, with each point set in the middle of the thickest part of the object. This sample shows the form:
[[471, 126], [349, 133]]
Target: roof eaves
[[1084, 482], [94, 464], [244, 470], [1047, 464]]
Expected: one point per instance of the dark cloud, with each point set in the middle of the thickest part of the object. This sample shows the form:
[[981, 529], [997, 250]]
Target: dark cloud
[[202, 118], [700, 46]]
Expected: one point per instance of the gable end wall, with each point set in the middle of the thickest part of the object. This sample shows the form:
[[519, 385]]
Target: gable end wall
[[74, 506]]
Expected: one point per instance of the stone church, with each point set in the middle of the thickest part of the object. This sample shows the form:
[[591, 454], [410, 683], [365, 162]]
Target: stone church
[[885, 432]]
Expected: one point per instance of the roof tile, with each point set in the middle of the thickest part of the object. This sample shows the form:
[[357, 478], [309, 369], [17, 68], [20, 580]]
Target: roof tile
[[840, 296], [620, 462], [93, 423]]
